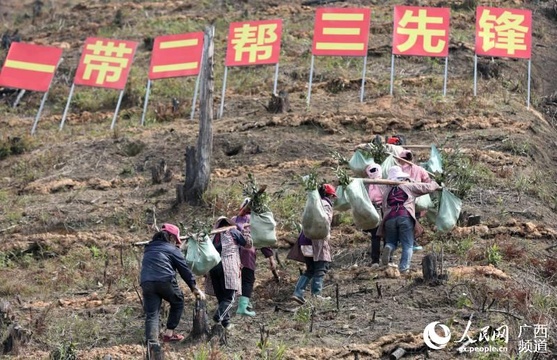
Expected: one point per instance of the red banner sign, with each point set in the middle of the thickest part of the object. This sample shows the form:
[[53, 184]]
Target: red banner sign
[[254, 43], [176, 56], [421, 31], [341, 31], [504, 32], [30, 67], [105, 63]]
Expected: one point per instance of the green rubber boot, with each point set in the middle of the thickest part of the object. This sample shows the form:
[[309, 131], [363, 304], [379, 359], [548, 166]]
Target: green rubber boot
[[243, 303]]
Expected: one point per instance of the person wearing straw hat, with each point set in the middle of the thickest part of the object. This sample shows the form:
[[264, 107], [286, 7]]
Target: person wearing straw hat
[[399, 224], [161, 259], [247, 259]]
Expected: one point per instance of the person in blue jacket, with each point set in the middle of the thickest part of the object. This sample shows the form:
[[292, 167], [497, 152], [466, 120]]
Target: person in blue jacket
[[161, 259]]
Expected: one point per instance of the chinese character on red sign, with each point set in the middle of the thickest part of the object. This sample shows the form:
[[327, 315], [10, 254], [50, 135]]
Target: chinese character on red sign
[[504, 32], [176, 55], [105, 63], [254, 43], [341, 31], [421, 31], [30, 67]]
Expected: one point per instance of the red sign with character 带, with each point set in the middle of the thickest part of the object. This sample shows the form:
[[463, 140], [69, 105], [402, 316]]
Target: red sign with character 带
[[421, 31], [504, 32], [176, 56], [341, 32], [254, 43], [105, 63], [30, 67]]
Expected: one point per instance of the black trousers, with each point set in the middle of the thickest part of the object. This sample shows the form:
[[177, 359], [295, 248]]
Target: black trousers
[[153, 294], [375, 245], [225, 297], [248, 279]]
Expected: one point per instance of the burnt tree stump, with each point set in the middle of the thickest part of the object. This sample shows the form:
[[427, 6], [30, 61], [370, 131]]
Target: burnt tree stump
[[154, 351], [429, 269], [278, 104], [200, 328], [16, 335]]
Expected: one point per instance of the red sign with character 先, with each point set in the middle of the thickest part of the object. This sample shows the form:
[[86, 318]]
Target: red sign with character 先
[[421, 31], [341, 32], [30, 67], [176, 56], [105, 63], [254, 43], [504, 32]]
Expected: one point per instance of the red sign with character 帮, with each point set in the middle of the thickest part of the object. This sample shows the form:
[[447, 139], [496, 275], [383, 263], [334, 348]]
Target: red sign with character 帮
[[421, 31], [504, 32], [254, 43], [176, 56], [30, 67], [105, 63], [341, 31]]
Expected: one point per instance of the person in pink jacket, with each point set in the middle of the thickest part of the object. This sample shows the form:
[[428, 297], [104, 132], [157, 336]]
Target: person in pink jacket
[[373, 171], [399, 224], [415, 173]]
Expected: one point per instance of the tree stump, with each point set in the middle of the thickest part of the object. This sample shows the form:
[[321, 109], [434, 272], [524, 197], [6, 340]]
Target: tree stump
[[200, 327], [429, 269], [16, 335], [278, 104], [160, 173], [154, 351]]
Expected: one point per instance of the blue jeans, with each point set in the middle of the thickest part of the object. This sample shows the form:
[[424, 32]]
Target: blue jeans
[[153, 294], [400, 229]]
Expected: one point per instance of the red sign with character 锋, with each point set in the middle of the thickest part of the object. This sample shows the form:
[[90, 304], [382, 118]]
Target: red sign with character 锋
[[504, 32]]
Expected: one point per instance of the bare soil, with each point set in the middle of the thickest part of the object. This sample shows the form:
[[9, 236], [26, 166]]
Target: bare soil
[[73, 205]]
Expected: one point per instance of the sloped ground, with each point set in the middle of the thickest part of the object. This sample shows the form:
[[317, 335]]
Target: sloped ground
[[73, 205]]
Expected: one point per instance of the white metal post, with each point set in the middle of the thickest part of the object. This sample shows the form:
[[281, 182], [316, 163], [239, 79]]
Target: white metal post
[[310, 79], [446, 76], [529, 77], [221, 110], [392, 73], [67, 107], [363, 80], [475, 73], [39, 113], [276, 78], [117, 109], [147, 92]]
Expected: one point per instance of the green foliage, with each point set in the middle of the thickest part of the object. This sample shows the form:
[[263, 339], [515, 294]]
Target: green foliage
[[310, 181], [493, 255], [64, 351], [343, 177], [376, 151], [13, 146], [287, 206], [303, 314], [131, 148], [339, 158], [461, 173], [95, 252], [259, 199]]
